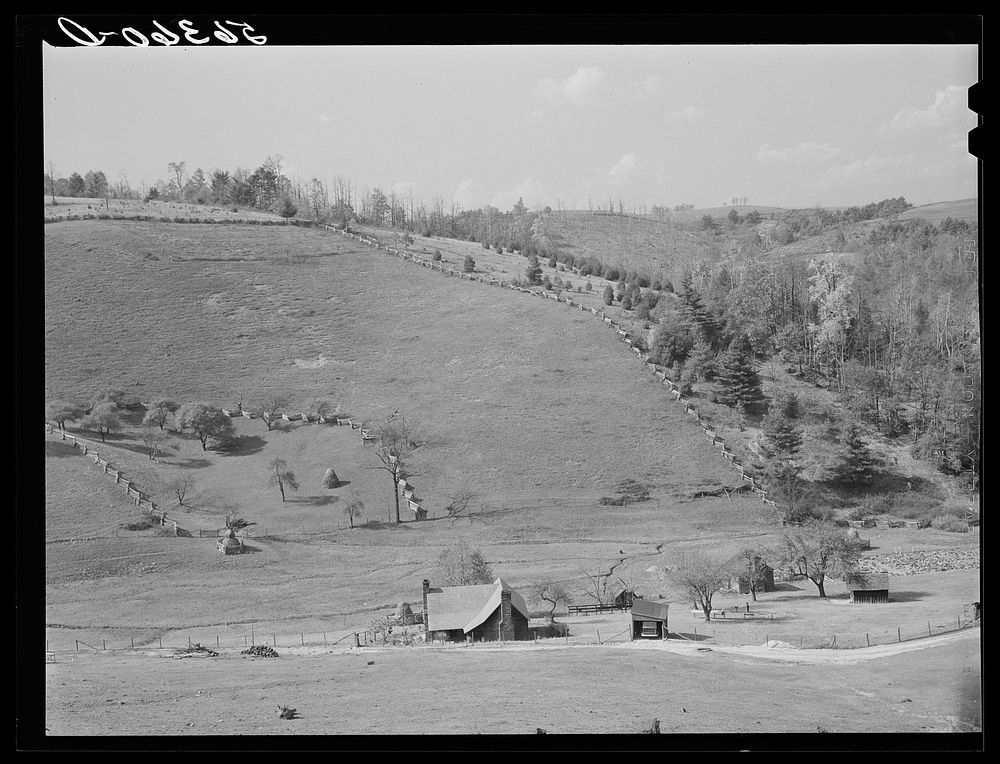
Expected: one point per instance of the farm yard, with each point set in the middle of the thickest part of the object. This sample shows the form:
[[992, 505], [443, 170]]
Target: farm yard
[[535, 408]]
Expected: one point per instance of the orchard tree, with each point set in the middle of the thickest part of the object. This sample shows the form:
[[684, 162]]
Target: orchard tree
[[534, 270], [268, 411], [754, 561], [552, 592], [609, 294], [205, 421], [181, 486], [699, 576], [353, 507], [154, 441], [468, 265], [281, 476], [817, 550], [459, 565], [59, 411], [322, 409], [158, 413], [105, 417]]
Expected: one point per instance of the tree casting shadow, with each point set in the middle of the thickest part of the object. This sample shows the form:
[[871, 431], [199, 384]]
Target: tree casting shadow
[[313, 501], [242, 445]]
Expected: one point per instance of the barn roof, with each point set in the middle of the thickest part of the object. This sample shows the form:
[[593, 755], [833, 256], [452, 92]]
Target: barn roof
[[466, 607], [651, 610], [860, 582]]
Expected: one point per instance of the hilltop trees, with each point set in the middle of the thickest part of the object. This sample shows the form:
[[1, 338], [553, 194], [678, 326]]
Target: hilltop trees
[[205, 421]]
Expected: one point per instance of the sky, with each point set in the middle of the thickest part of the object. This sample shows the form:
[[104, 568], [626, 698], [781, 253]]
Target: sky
[[565, 126]]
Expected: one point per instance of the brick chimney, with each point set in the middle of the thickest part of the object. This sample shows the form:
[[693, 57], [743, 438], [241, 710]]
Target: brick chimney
[[506, 616], [427, 587]]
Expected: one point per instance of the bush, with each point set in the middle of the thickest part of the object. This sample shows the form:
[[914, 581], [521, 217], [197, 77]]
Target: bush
[[950, 523], [550, 630], [437, 255], [468, 265]]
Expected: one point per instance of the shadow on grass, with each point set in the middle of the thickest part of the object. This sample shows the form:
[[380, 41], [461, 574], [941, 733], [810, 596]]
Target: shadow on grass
[[379, 525], [313, 501], [190, 462], [907, 596], [242, 445], [60, 448], [692, 637]]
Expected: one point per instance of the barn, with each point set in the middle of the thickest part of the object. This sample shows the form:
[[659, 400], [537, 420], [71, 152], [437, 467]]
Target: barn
[[649, 619], [487, 612], [764, 581], [868, 587]]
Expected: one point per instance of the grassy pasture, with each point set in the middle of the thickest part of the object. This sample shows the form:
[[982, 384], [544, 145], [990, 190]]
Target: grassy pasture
[[91, 208], [534, 406], [964, 209]]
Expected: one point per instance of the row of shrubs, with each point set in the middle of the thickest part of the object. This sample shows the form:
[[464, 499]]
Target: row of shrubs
[[912, 506]]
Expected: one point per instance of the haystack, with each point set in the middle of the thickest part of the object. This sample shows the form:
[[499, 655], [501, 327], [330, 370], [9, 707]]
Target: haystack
[[330, 479], [404, 613]]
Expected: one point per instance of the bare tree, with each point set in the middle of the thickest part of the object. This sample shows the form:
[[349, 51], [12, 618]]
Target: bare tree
[[552, 592], [154, 441], [754, 563], [181, 486], [700, 576], [397, 440], [353, 507], [267, 410], [281, 476], [600, 583], [322, 408], [458, 504], [235, 522]]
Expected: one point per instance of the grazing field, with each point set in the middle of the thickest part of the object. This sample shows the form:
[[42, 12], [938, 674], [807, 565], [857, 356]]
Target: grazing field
[[535, 408], [962, 209]]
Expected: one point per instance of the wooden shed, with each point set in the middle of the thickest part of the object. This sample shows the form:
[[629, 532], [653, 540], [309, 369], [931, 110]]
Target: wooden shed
[[868, 587], [649, 619], [763, 582]]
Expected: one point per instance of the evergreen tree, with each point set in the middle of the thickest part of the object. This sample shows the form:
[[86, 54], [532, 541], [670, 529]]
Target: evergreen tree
[[77, 185], [702, 361], [468, 265], [858, 464], [694, 314], [738, 377], [534, 270], [609, 294], [782, 439]]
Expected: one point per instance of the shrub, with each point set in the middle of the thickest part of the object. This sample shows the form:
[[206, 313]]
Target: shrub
[[468, 265], [589, 286], [950, 523], [437, 255]]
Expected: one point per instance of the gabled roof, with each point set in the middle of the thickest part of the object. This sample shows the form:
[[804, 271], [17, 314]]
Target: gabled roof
[[646, 609], [466, 607]]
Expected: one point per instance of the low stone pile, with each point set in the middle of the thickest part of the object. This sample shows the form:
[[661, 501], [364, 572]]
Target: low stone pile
[[930, 561], [198, 649], [261, 651]]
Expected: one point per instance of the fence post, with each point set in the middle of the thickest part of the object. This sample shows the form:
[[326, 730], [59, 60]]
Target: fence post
[[216, 641], [104, 644], [133, 642], [598, 636], [324, 637], [899, 635], [161, 641], [77, 645], [302, 639], [928, 628], [867, 641], [274, 640]]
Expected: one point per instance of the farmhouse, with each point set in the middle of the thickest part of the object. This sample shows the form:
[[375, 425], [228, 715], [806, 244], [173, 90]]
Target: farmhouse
[[649, 619], [868, 587], [480, 613]]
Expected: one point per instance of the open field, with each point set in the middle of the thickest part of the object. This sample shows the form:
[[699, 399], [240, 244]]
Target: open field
[[584, 689], [533, 406], [963, 209]]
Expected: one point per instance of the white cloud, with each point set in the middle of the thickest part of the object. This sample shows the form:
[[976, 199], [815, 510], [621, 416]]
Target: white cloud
[[467, 195], [646, 87], [867, 169], [626, 166], [578, 89], [324, 119], [949, 110], [797, 154], [530, 190], [690, 114]]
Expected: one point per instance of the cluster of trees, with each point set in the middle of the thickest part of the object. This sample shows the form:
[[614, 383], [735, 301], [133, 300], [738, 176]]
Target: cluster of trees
[[93, 185], [814, 551]]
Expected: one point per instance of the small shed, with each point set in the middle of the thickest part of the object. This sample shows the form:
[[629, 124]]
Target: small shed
[[230, 544], [649, 619], [868, 587], [762, 582]]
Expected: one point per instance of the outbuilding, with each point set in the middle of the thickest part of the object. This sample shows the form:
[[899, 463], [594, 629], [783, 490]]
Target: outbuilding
[[868, 587], [486, 612], [649, 619]]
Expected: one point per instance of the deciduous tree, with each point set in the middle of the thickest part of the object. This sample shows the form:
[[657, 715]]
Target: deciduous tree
[[59, 411], [282, 477], [817, 550], [699, 576], [205, 421], [459, 565]]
